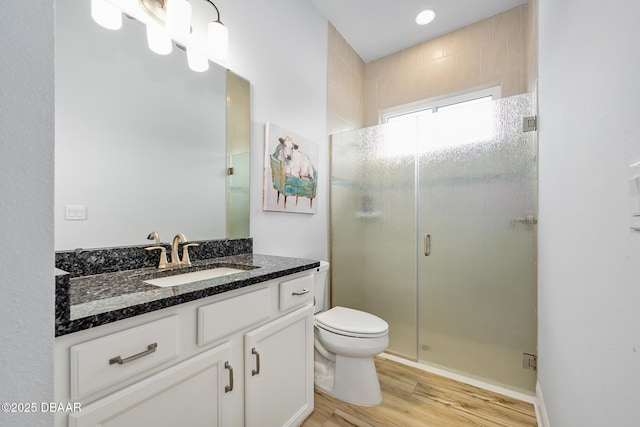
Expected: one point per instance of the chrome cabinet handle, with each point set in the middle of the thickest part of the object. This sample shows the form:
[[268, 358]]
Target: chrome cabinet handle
[[302, 292], [427, 244], [151, 348], [229, 387], [257, 370]]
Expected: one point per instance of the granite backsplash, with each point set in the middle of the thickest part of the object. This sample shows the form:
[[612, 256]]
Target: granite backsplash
[[87, 262]]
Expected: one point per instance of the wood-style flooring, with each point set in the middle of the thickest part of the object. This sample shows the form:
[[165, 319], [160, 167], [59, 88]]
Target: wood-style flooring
[[412, 397]]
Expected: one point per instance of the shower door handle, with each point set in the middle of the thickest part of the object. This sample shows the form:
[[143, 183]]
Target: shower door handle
[[427, 244]]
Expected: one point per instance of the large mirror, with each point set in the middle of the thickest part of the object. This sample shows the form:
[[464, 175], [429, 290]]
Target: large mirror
[[142, 142]]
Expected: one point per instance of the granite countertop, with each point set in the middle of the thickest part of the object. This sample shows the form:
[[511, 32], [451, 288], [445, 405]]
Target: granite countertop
[[88, 301]]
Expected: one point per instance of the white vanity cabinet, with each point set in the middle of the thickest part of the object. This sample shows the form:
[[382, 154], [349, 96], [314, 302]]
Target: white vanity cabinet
[[279, 371], [190, 393], [191, 364]]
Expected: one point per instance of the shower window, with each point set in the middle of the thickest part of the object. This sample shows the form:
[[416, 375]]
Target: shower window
[[473, 122], [433, 105]]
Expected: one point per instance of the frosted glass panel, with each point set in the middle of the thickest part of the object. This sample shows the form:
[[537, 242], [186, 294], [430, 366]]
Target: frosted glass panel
[[465, 176], [476, 200], [373, 262]]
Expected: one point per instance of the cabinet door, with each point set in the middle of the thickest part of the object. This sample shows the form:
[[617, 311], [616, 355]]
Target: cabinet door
[[191, 393], [279, 371]]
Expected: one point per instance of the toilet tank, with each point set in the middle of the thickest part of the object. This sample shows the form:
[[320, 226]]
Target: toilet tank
[[320, 290]]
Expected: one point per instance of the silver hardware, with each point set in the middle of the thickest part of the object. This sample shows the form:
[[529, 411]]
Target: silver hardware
[[229, 171], [257, 370], [302, 292], [527, 221], [151, 348], [529, 361], [529, 123], [427, 244], [229, 387], [163, 256]]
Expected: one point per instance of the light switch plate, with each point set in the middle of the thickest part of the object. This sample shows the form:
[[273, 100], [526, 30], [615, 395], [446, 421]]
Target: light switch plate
[[75, 212]]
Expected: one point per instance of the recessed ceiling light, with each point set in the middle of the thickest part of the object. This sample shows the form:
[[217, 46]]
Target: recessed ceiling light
[[426, 16]]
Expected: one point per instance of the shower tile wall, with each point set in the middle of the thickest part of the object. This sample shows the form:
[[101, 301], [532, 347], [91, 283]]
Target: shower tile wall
[[346, 85], [491, 51]]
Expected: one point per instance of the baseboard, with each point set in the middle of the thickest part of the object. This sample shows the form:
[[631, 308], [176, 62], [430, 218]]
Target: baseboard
[[463, 379], [541, 410]]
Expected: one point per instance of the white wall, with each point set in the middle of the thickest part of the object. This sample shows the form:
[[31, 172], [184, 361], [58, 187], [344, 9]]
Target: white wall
[[281, 47], [26, 206], [589, 260]]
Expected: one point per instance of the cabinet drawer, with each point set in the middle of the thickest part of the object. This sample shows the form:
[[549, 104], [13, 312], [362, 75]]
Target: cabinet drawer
[[108, 360], [223, 318], [296, 292]]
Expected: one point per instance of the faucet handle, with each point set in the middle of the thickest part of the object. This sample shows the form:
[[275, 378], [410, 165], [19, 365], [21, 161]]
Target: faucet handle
[[163, 255], [185, 253]]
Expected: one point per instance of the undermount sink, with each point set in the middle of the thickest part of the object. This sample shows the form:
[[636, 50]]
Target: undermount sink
[[181, 279]]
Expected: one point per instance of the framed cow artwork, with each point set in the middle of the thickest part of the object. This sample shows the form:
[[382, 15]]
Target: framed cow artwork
[[290, 173]]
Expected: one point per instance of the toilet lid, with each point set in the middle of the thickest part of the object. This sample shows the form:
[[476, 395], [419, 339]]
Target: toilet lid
[[347, 321]]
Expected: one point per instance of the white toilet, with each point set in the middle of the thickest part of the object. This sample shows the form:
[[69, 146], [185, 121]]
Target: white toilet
[[345, 342]]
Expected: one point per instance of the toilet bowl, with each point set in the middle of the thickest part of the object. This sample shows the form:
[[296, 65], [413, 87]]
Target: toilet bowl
[[346, 340]]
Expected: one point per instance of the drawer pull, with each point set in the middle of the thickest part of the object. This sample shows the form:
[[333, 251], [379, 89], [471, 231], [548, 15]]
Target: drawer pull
[[257, 370], [229, 387], [302, 292], [151, 348]]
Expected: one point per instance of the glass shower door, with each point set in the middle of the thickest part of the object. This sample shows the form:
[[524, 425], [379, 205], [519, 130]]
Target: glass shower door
[[476, 249], [373, 262]]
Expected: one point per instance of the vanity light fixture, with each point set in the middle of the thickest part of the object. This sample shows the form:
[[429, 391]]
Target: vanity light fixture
[[174, 19], [425, 17], [171, 20], [106, 14], [159, 42], [217, 45], [217, 37]]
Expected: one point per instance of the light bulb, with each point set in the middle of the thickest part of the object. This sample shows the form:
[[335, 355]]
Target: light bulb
[[197, 61], [178, 18], [218, 41], [158, 41], [106, 14]]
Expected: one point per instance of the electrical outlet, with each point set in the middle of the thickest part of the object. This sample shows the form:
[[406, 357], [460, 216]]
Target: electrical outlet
[[529, 361]]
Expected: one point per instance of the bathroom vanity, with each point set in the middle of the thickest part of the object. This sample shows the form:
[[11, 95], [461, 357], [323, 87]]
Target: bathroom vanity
[[227, 351]]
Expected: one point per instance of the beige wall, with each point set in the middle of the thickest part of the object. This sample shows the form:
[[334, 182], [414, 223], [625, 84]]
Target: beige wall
[[532, 45], [483, 54], [345, 86], [498, 50]]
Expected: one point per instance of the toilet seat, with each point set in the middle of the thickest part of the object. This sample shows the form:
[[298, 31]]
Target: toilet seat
[[352, 323]]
